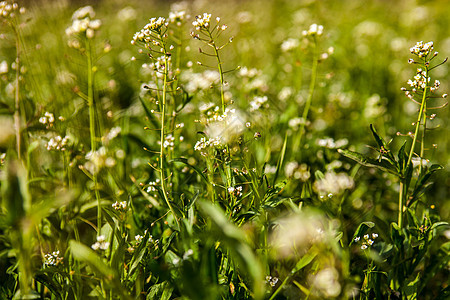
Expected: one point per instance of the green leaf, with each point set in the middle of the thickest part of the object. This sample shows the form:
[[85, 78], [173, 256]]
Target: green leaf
[[280, 159], [85, 254], [161, 291], [402, 158], [149, 114], [383, 165], [361, 230], [197, 170], [304, 261], [382, 144], [421, 184]]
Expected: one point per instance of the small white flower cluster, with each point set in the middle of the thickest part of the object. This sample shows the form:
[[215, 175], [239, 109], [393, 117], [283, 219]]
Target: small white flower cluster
[[2, 159], [367, 240], [120, 205], [333, 183], [294, 123], [113, 133], [152, 186], [4, 67], [204, 143], [249, 73], [53, 259], [420, 80], [57, 143], [314, 30], [145, 34], [200, 81], [422, 49], [289, 44], [202, 21], [97, 160], [169, 141], [48, 119], [177, 17], [293, 169], [326, 283], [272, 281], [331, 144], [8, 10], [82, 24], [235, 191], [101, 243], [435, 86], [258, 102]]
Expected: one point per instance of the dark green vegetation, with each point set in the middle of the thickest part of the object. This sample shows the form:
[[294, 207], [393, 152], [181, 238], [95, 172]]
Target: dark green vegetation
[[256, 156]]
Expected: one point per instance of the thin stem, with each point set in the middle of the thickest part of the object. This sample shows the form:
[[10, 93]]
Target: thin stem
[[17, 121], [419, 118], [219, 66], [91, 105], [312, 85], [400, 205], [161, 154], [422, 138]]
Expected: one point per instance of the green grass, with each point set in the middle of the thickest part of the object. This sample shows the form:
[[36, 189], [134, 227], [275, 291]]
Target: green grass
[[264, 159]]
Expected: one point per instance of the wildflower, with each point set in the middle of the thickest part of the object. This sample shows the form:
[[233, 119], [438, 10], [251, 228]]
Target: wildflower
[[334, 183], [101, 243], [145, 35], [57, 143], [357, 239], [296, 233], [363, 247], [314, 30], [202, 21], [83, 24], [120, 205], [272, 281], [8, 9], [326, 283], [53, 259], [422, 49], [258, 102], [3, 67], [289, 45]]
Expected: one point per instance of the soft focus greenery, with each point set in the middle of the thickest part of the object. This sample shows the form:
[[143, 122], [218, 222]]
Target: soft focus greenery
[[280, 208]]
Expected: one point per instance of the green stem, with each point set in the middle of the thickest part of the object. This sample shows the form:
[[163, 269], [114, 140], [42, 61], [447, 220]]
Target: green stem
[[400, 205], [419, 118], [219, 66], [91, 105], [312, 85], [161, 154], [17, 121], [422, 138]]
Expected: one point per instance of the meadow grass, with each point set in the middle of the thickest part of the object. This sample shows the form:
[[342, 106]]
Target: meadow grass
[[224, 150]]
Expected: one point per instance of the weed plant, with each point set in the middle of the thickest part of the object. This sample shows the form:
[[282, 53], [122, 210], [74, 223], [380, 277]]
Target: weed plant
[[225, 152]]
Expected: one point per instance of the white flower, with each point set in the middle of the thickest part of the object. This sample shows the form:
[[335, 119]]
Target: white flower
[[3, 67], [289, 44], [101, 243]]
